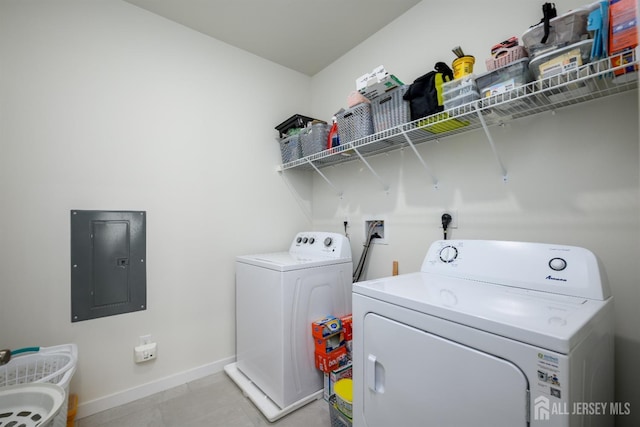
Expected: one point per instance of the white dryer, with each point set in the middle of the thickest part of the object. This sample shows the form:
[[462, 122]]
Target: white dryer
[[489, 334], [278, 296]]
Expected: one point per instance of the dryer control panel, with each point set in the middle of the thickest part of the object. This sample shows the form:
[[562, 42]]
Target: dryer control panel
[[334, 245], [559, 269]]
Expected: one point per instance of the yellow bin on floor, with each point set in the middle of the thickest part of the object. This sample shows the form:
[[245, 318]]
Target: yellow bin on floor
[[463, 66], [344, 396]]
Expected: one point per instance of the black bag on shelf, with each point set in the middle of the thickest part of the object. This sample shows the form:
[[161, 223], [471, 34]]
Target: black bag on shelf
[[425, 93]]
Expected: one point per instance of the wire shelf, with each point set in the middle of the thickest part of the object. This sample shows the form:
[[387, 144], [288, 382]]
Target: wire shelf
[[591, 81]]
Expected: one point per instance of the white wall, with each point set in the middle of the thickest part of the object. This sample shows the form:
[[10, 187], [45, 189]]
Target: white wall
[[106, 106], [573, 177]]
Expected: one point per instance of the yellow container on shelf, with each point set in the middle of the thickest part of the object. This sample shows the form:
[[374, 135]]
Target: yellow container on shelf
[[463, 66], [344, 396]]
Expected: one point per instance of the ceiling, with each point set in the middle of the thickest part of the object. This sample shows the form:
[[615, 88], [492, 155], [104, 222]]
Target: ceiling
[[304, 35]]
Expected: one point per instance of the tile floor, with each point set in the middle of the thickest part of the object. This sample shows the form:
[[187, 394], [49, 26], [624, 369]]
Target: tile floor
[[211, 401]]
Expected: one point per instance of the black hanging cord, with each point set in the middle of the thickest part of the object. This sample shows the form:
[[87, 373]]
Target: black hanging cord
[[548, 12]]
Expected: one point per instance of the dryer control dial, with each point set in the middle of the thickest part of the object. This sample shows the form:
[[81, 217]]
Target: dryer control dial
[[558, 264], [448, 254], [328, 241]]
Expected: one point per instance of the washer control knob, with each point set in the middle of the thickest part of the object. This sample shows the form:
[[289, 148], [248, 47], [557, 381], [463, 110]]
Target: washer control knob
[[558, 264], [328, 241], [299, 239], [448, 254], [311, 240], [305, 240]]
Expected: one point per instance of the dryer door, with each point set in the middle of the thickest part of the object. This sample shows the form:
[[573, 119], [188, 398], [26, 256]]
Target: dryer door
[[414, 378]]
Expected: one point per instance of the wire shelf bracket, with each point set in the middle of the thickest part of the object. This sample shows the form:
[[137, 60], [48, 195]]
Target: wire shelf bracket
[[385, 186], [424, 164], [306, 209], [503, 170], [339, 192]]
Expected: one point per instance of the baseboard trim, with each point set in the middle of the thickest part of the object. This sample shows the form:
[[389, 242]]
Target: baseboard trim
[[91, 407]]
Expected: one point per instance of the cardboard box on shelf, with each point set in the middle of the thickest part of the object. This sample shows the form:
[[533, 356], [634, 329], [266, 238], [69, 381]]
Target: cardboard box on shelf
[[623, 25], [376, 83], [385, 85], [373, 77], [623, 33], [623, 58]]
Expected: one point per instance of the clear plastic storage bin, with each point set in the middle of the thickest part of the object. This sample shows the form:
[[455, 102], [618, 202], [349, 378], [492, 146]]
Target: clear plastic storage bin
[[460, 91], [504, 79], [561, 60], [463, 99], [355, 123], [562, 71], [389, 109], [566, 29]]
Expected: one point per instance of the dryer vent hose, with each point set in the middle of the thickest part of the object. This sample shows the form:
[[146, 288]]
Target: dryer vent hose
[[367, 245]]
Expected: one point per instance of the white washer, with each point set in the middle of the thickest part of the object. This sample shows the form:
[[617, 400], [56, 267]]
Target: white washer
[[278, 296], [487, 334]]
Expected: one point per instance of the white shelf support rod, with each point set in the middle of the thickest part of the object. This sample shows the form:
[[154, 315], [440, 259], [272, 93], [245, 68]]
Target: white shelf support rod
[[493, 146], [306, 208], [340, 192], [384, 184], [424, 164]]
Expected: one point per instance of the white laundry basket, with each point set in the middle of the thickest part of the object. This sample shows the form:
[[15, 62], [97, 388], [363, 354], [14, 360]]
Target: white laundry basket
[[31, 405], [55, 365]]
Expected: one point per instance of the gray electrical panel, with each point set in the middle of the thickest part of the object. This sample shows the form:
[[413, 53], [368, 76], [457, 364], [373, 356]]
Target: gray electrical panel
[[108, 263]]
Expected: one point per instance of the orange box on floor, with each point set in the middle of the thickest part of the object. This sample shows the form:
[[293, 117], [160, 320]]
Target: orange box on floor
[[347, 321], [329, 344], [327, 362], [329, 325]]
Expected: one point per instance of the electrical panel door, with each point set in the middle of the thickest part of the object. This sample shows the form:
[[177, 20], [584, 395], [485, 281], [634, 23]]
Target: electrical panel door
[[108, 273]]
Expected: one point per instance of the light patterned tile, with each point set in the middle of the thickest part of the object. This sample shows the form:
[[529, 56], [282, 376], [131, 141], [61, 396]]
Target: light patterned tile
[[211, 401], [143, 417]]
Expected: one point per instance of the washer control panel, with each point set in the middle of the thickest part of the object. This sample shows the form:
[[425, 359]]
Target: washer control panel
[[566, 270], [334, 245]]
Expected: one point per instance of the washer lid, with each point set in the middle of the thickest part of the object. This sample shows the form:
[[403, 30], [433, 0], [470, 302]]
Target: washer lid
[[286, 261], [551, 321]]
